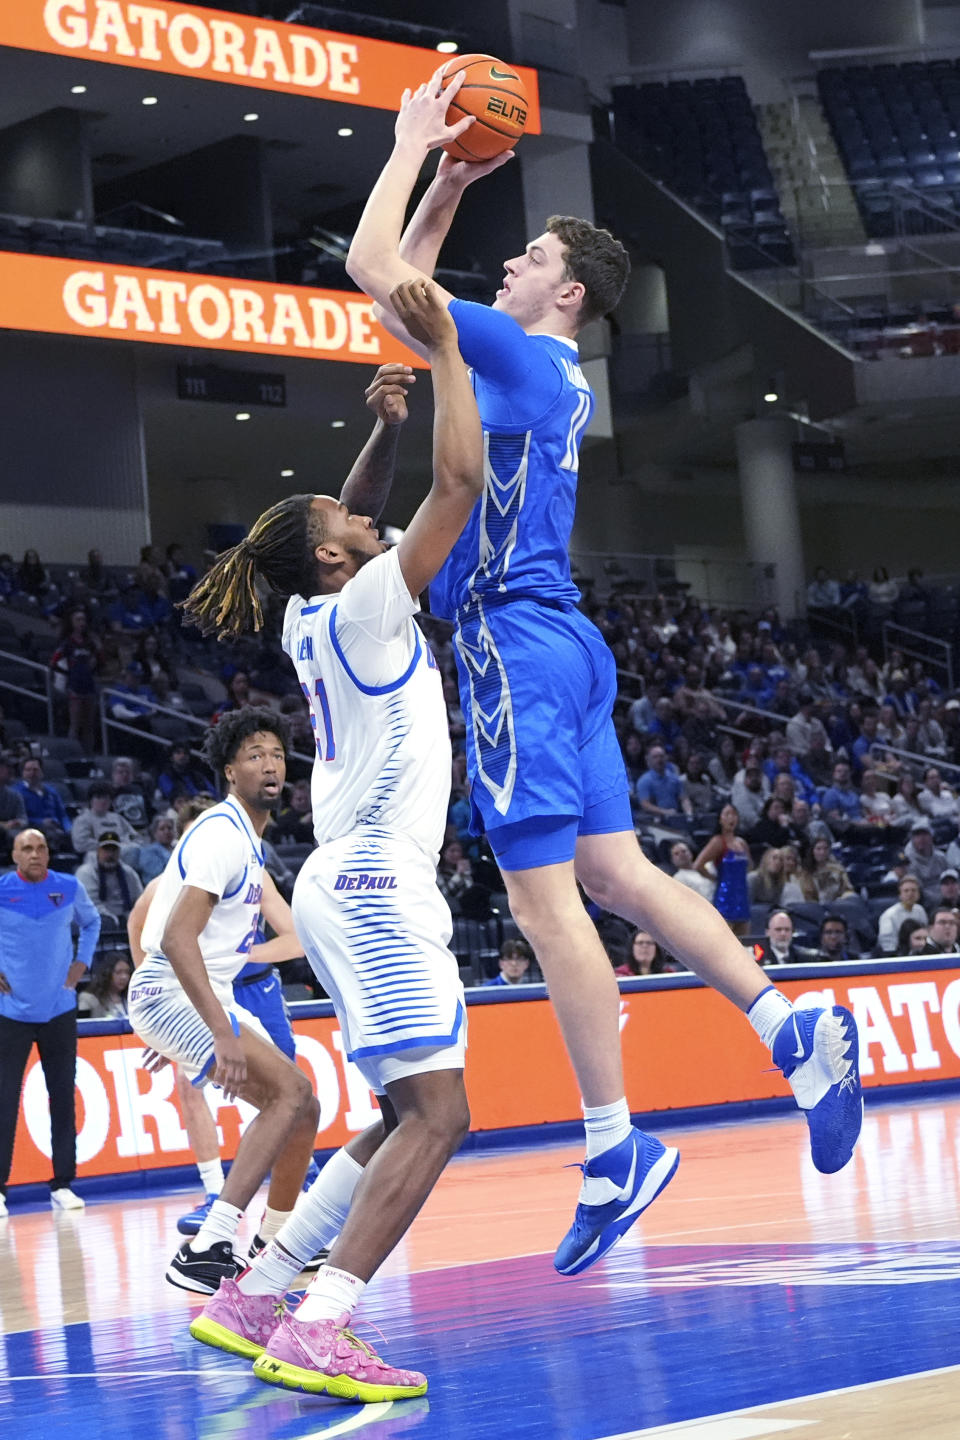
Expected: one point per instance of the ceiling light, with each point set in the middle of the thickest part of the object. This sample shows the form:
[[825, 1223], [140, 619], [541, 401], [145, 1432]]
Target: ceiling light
[[78, 89], [252, 116], [771, 397], [285, 474], [337, 424], [344, 131], [448, 47], [149, 100], [242, 415]]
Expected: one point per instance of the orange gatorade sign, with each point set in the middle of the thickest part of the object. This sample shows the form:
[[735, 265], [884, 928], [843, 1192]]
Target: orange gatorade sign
[[183, 39], [682, 1048], [166, 307]]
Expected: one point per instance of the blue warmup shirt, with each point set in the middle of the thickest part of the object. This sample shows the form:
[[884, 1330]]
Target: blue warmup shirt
[[36, 944], [534, 405]]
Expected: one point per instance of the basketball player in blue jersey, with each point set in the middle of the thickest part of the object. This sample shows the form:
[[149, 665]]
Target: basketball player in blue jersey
[[366, 906], [538, 684]]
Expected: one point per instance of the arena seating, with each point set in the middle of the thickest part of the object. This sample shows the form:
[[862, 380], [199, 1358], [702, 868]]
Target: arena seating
[[700, 138], [897, 128]]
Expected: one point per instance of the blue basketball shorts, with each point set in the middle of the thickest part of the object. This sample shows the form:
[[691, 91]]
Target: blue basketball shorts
[[262, 996], [537, 686]]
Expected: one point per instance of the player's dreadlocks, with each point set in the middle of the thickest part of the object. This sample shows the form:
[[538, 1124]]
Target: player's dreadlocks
[[280, 548]]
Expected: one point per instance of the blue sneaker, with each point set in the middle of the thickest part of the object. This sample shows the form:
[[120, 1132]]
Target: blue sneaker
[[618, 1185], [190, 1224], [819, 1053]]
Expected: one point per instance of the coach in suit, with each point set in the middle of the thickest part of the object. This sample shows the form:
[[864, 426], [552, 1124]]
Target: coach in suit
[[778, 946], [38, 1000]]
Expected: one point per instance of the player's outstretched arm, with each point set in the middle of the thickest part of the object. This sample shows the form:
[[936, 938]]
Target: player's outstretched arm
[[457, 437], [374, 261], [366, 488]]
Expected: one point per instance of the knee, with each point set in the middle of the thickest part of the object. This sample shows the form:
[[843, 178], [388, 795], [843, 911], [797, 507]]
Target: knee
[[609, 886]]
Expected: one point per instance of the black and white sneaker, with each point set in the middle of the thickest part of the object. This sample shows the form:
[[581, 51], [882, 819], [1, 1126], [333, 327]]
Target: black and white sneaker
[[202, 1270], [310, 1268]]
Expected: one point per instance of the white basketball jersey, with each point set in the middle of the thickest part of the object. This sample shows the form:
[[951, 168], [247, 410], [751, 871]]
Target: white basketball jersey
[[377, 708], [220, 853]]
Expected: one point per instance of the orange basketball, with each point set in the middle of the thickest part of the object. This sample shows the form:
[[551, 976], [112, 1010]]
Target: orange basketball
[[494, 94]]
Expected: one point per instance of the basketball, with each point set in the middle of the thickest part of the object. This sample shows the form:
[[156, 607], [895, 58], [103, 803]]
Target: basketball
[[494, 94]]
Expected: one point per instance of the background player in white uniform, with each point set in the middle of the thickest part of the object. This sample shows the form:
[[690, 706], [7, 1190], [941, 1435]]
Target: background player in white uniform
[[199, 928], [197, 1119], [366, 905]]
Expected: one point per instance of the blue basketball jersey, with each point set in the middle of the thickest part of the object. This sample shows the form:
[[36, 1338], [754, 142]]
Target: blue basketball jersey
[[534, 405]]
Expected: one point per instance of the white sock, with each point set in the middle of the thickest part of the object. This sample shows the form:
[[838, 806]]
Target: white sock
[[606, 1126], [220, 1224], [331, 1294], [319, 1213], [271, 1222], [767, 1014], [271, 1273], [211, 1176]]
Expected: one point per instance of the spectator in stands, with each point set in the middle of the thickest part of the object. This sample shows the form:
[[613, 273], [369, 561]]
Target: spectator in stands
[[45, 808], [875, 803], [646, 958], [802, 727], [130, 795], [792, 893], [179, 574], [76, 663], [112, 886], [862, 747], [13, 815], [930, 737], [454, 875], [773, 828], [927, 863], [882, 591], [131, 699], [181, 774], [936, 799], [97, 816], [514, 963], [905, 803], [942, 936], [765, 883], [950, 889], [912, 939], [869, 682], [34, 580], [725, 764], [840, 803], [727, 855], [779, 947], [681, 858], [96, 577], [823, 593], [749, 793], [659, 791], [9, 582], [238, 694], [822, 878], [783, 762], [151, 859], [294, 822], [105, 998], [697, 784], [835, 940], [907, 907], [456, 720], [150, 659], [149, 603]]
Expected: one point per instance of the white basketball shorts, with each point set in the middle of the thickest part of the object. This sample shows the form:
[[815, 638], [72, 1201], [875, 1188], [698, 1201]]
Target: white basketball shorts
[[376, 931], [165, 1020]]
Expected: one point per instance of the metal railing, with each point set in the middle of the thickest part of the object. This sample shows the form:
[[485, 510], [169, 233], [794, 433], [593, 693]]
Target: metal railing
[[941, 658], [42, 696], [916, 762], [151, 708]]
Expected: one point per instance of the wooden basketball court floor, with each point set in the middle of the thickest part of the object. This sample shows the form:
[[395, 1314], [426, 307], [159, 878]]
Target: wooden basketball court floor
[[755, 1298]]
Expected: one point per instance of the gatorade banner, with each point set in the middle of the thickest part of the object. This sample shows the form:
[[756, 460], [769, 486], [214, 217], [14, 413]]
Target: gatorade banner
[[683, 1048], [168, 307], [179, 39]]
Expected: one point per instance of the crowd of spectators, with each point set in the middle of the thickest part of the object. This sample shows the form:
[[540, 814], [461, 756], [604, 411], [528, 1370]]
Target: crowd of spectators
[[802, 786]]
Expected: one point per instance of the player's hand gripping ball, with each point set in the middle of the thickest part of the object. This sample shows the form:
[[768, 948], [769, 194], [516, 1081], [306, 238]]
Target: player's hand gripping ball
[[493, 93]]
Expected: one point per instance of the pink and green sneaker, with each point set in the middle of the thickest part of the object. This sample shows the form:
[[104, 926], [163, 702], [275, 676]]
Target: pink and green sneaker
[[324, 1357], [241, 1324]]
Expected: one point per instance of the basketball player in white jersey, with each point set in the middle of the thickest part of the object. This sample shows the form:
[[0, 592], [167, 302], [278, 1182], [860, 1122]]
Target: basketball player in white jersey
[[196, 937], [366, 906]]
